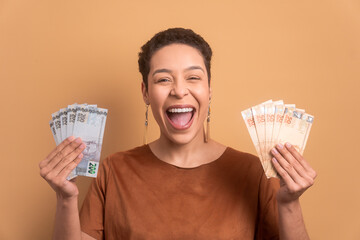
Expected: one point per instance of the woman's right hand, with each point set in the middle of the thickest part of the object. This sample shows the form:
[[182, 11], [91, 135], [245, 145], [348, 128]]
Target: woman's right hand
[[58, 165]]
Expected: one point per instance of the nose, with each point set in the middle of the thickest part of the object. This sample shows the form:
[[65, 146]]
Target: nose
[[179, 89]]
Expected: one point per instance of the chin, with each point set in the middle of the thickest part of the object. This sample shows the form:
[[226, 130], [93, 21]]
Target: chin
[[182, 138]]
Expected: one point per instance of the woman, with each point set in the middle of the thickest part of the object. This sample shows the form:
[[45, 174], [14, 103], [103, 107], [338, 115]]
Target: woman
[[183, 185]]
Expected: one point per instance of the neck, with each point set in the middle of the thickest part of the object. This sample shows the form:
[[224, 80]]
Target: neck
[[186, 155]]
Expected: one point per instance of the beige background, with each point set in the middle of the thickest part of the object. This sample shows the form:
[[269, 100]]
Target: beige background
[[54, 53]]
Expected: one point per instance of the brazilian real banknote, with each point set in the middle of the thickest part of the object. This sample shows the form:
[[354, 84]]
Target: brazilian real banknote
[[84, 121], [273, 122]]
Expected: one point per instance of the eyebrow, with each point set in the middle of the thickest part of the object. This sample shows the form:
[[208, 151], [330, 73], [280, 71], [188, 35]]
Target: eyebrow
[[165, 70], [161, 71], [194, 68]]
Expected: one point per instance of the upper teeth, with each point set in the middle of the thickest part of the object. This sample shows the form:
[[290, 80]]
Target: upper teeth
[[178, 110]]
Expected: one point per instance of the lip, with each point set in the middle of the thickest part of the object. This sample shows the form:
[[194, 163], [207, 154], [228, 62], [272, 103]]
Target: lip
[[188, 125]]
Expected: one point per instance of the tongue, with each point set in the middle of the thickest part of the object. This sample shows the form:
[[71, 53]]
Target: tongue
[[180, 119]]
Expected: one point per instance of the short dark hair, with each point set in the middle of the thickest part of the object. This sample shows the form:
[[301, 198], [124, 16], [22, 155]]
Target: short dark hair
[[170, 36]]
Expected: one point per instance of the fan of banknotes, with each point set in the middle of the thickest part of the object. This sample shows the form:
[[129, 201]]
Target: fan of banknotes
[[88, 123], [270, 123]]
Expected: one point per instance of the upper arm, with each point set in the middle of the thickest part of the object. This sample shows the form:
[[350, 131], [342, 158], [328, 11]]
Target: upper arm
[[93, 208], [268, 222]]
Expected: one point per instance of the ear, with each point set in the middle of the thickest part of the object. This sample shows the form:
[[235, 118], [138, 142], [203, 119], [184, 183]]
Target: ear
[[145, 93]]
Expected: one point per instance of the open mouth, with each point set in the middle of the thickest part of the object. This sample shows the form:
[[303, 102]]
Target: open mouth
[[180, 117]]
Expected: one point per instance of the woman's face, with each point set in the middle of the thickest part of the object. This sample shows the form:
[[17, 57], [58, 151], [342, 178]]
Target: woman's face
[[178, 92]]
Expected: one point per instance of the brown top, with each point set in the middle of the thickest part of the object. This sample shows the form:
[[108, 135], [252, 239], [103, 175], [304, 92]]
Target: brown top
[[138, 196]]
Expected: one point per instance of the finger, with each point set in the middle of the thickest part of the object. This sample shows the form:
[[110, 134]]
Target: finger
[[310, 171], [68, 149], [59, 156], [69, 167], [55, 151], [282, 173], [294, 169], [292, 160], [68, 159], [286, 163], [293, 188]]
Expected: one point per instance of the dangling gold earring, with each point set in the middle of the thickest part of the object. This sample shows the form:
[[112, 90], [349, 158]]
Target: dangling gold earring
[[146, 124], [207, 134]]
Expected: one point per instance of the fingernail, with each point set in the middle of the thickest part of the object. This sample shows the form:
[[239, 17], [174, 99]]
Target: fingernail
[[71, 138], [280, 146], [82, 146], [78, 140], [274, 151], [274, 160], [288, 145], [81, 155]]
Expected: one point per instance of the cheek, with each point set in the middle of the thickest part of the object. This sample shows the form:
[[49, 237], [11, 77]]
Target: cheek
[[202, 94], [157, 99]]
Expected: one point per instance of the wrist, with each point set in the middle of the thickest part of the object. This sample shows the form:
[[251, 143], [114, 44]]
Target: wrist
[[291, 206], [65, 201]]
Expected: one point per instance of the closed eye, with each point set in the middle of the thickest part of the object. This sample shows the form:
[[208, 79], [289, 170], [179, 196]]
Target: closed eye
[[194, 78], [163, 80]]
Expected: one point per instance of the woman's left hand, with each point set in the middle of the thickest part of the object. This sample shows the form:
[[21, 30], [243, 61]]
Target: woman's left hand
[[296, 175]]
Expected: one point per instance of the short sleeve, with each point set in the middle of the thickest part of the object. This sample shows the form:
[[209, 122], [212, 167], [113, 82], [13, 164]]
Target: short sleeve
[[92, 211], [268, 220]]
